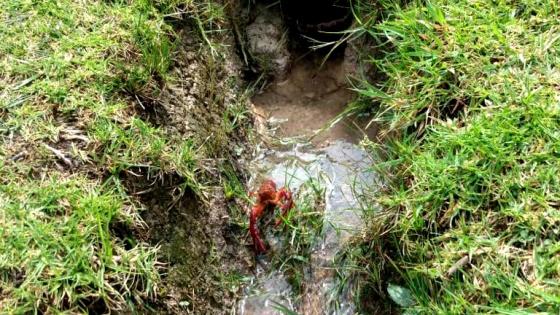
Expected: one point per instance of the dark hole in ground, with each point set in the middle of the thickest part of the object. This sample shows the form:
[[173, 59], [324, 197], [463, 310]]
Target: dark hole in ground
[[95, 306], [150, 109], [314, 21], [311, 20], [126, 233]]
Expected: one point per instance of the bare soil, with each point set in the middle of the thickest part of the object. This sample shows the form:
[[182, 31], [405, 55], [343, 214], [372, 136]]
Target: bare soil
[[203, 249], [309, 101]]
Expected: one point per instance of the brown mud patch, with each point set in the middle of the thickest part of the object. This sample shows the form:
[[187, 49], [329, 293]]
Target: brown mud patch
[[203, 253], [309, 102]]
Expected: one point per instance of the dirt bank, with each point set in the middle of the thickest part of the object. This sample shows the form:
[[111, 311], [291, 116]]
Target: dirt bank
[[202, 243]]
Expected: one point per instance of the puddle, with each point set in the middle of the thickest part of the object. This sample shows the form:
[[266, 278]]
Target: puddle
[[307, 101]]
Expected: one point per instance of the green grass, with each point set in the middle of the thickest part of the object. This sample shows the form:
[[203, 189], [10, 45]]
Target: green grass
[[208, 17], [68, 128], [58, 251], [300, 231], [469, 104]]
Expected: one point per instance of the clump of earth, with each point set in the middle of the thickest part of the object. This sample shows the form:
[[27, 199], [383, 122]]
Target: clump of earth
[[267, 38]]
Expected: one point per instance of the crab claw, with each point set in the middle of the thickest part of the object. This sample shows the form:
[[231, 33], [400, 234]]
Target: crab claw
[[268, 198]]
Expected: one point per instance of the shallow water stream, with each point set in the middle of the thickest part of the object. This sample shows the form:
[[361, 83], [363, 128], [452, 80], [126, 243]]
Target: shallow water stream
[[308, 100]]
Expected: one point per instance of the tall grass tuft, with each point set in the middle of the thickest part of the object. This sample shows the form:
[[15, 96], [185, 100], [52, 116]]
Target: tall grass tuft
[[468, 100]]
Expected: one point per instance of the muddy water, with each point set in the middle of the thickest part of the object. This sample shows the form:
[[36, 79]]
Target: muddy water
[[309, 100]]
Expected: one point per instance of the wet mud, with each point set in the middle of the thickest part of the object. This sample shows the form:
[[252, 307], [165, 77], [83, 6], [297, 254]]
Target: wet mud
[[307, 104]]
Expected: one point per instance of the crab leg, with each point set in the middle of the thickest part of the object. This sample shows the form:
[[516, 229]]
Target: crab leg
[[256, 212]]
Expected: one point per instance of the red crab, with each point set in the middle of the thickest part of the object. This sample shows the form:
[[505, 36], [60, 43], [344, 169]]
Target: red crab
[[268, 198]]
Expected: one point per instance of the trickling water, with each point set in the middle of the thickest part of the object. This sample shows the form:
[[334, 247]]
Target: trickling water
[[341, 168], [267, 291]]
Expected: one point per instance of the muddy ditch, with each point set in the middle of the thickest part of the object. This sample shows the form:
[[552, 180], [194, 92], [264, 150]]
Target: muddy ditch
[[307, 146], [291, 132]]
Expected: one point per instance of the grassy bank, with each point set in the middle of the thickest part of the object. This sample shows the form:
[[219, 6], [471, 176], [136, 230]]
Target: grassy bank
[[468, 96], [71, 122]]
